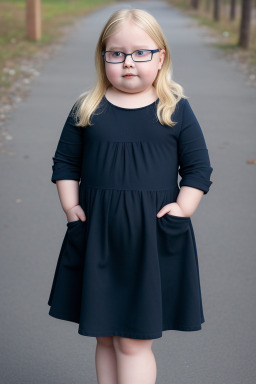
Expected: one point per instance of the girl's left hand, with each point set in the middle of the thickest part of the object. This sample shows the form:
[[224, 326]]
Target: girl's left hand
[[171, 209]]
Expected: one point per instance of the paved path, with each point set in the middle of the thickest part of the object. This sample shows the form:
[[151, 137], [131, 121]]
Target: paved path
[[36, 348]]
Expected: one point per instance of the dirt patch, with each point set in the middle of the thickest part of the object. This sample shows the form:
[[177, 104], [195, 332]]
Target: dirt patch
[[20, 73]]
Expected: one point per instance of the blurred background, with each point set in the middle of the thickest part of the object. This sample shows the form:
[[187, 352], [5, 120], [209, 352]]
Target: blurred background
[[46, 61], [29, 27]]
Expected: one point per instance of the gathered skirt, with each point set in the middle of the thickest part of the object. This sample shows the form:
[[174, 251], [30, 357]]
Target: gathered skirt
[[126, 272]]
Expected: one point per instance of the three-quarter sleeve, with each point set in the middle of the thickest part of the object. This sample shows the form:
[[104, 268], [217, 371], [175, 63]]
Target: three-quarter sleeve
[[67, 161], [194, 162]]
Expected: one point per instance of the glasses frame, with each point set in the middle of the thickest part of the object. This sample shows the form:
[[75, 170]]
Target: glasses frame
[[130, 54]]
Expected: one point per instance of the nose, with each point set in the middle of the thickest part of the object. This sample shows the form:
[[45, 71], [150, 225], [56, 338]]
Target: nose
[[128, 61]]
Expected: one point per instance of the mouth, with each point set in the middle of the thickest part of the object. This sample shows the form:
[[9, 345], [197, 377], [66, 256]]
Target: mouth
[[130, 75]]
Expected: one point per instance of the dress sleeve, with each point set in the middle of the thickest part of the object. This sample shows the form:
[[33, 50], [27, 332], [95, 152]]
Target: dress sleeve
[[67, 160], [194, 163]]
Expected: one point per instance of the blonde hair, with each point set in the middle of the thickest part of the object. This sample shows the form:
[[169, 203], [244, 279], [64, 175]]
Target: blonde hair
[[168, 91]]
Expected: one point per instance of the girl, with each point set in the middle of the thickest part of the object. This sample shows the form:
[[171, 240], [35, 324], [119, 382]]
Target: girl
[[128, 266]]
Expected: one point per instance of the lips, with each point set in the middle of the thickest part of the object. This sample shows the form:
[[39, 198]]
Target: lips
[[129, 75]]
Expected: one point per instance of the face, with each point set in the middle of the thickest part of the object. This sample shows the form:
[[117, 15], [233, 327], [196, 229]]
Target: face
[[129, 38]]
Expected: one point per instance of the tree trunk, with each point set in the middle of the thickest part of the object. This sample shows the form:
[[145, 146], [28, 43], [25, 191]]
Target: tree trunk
[[216, 10], [232, 10], [245, 25], [194, 4]]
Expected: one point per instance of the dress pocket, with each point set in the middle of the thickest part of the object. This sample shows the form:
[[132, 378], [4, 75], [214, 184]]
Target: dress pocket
[[73, 223], [173, 233], [75, 245]]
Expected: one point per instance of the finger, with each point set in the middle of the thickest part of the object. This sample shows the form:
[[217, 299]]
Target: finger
[[162, 212], [83, 218]]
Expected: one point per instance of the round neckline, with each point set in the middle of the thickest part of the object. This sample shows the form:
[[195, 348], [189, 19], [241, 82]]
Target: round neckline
[[130, 109]]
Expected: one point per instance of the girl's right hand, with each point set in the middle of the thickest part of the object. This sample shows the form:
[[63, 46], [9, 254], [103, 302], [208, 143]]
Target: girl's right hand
[[75, 213]]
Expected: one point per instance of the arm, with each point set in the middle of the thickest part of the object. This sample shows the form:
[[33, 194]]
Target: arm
[[67, 168], [194, 166], [188, 200], [68, 191]]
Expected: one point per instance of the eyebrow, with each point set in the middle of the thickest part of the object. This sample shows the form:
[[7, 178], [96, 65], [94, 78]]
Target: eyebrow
[[135, 47]]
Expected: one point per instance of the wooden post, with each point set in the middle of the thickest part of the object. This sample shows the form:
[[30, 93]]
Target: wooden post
[[33, 19]]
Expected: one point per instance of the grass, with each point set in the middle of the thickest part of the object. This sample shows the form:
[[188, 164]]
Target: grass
[[14, 45]]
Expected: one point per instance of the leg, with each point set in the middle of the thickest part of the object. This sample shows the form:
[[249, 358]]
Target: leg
[[105, 360], [136, 362]]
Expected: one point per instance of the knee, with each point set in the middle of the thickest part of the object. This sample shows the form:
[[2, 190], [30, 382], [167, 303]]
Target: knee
[[131, 346], [105, 341]]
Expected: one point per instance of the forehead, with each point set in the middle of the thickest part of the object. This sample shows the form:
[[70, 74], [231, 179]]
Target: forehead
[[132, 47], [130, 36]]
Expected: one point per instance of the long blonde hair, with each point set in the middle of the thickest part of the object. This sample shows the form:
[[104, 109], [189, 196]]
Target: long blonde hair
[[168, 91]]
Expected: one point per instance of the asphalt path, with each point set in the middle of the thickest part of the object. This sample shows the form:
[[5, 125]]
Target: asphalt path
[[36, 348]]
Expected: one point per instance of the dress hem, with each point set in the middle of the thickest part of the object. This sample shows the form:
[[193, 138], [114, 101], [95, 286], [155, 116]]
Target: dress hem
[[128, 334]]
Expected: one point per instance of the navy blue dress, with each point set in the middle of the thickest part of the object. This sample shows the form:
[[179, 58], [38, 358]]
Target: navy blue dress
[[125, 272]]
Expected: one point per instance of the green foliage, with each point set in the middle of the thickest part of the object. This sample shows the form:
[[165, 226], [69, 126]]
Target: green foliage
[[55, 14]]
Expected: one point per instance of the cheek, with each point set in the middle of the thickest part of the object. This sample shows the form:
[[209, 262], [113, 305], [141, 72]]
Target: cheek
[[112, 71], [149, 71]]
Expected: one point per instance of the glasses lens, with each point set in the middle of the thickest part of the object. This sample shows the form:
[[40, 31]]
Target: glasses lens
[[141, 55], [119, 57], [114, 56]]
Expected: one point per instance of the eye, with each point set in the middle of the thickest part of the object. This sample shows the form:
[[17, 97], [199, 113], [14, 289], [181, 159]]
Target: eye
[[115, 54], [141, 52]]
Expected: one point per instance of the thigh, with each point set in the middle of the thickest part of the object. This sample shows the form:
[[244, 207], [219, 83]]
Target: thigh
[[106, 341]]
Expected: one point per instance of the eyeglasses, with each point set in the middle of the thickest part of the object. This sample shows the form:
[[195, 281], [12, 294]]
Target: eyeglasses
[[140, 55]]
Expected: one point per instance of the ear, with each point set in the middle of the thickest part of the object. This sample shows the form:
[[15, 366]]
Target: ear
[[161, 58]]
